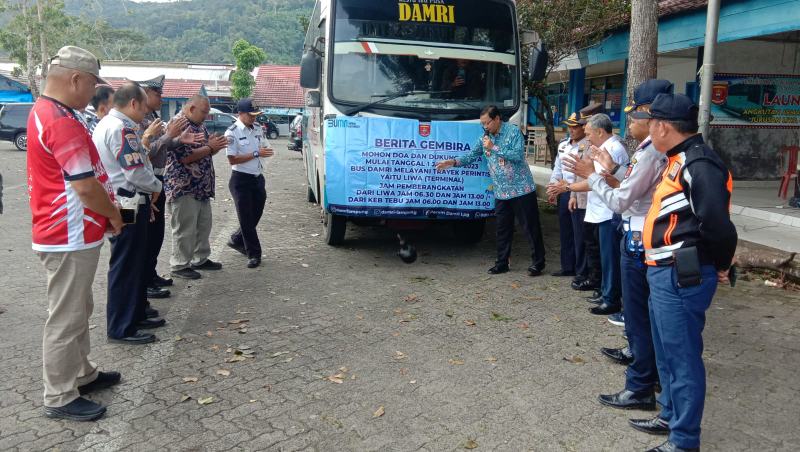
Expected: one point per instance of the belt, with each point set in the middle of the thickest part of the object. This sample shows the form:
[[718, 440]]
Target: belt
[[159, 171]]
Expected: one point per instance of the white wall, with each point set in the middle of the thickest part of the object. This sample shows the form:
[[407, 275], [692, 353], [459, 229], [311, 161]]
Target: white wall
[[677, 69], [760, 57]]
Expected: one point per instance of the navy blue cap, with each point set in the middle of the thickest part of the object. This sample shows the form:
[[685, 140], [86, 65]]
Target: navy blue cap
[[646, 92], [671, 107], [246, 106]]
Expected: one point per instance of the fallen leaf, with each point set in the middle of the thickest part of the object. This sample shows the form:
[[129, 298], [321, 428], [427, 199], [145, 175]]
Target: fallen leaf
[[209, 333], [215, 347], [469, 322], [185, 398], [288, 360], [449, 314], [91, 327], [491, 359], [470, 444], [235, 359], [304, 265], [412, 298], [523, 325], [205, 401], [456, 362], [237, 321], [500, 317], [223, 372], [514, 286], [379, 412], [275, 355], [398, 355], [412, 382], [178, 338], [359, 317], [343, 369], [338, 378], [575, 359], [243, 331], [190, 379]]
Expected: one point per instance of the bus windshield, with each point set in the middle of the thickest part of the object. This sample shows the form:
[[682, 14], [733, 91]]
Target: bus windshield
[[441, 54]]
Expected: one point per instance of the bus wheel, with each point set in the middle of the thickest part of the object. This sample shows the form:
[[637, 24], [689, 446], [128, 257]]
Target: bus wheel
[[335, 226], [470, 231], [310, 195]]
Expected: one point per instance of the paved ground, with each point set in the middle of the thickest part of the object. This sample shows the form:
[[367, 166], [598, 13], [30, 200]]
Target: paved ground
[[453, 357]]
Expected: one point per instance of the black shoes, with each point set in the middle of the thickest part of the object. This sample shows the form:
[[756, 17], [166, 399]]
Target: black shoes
[[654, 426], [136, 338], [618, 355], [149, 324], [157, 292], [160, 282], [627, 400], [585, 285], [671, 447], [535, 270], [103, 380], [186, 273], [562, 273], [596, 298], [605, 309], [79, 409], [498, 268], [208, 265], [150, 313], [253, 262], [238, 248]]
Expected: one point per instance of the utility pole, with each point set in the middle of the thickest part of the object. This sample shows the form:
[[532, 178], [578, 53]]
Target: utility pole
[[707, 71]]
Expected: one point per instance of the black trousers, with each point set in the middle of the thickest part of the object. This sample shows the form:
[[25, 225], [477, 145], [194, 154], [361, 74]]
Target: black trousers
[[249, 196], [155, 236], [526, 211], [128, 277], [591, 240], [566, 234]]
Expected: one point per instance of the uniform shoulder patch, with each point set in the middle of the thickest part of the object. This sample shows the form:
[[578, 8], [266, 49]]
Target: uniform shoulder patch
[[129, 155], [232, 127]]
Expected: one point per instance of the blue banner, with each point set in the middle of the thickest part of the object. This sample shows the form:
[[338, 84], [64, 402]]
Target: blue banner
[[385, 167]]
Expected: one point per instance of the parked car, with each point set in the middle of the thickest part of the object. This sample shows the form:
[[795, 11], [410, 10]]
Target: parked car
[[218, 122], [296, 134], [270, 128], [14, 124]]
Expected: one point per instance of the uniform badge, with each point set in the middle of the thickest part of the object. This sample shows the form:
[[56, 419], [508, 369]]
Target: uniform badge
[[129, 156], [637, 236], [674, 170], [629, 171]]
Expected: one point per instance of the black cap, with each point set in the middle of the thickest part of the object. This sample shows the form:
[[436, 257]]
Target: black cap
[[671, 107], [588, 111], [646, 92], [246, 106], [156, 84]]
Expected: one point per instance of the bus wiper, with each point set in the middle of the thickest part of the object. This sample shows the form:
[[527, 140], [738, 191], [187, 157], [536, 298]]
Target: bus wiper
[[389, 97]]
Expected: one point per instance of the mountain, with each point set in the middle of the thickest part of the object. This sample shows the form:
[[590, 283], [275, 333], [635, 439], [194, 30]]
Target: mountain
[[203, 31]]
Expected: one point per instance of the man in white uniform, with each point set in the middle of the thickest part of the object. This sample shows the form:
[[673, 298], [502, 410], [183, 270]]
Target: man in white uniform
[[246, 146]]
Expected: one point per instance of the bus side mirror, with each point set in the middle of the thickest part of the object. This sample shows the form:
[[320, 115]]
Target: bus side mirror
[[537, 63], [310, 70], [313, 99]]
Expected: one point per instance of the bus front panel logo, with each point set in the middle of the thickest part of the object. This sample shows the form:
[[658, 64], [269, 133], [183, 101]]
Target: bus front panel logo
[[424, 129], [416, 12]]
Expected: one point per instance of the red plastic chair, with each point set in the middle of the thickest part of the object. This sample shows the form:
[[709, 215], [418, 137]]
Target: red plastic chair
[[791, 169]]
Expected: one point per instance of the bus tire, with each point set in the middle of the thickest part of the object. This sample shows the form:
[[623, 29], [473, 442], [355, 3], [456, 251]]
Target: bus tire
[[310, 195], [335, 227], [469, 231]]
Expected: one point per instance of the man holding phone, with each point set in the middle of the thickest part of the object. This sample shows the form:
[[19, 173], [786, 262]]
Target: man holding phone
[[689, 243], [118, 140], [246, 147]]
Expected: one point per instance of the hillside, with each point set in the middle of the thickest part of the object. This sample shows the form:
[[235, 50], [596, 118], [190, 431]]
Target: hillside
[[203, 31]]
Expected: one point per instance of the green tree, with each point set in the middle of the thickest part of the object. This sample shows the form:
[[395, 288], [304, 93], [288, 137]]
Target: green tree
[[566, 27], [247, 57]]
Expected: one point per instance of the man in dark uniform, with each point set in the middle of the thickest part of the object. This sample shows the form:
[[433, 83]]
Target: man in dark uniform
[[689, 243], [156, 143]]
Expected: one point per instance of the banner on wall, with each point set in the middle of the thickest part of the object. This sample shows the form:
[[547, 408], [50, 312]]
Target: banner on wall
[[756, 101], [385, 167]]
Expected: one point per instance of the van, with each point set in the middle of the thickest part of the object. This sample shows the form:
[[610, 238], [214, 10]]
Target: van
[[14, 124]]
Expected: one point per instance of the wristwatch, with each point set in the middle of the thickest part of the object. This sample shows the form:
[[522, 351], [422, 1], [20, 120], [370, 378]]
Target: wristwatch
[[615, 168], [567, 187], [255, 154]]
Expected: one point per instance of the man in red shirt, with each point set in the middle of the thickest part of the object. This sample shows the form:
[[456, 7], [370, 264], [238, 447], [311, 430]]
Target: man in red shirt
[[72, 207]]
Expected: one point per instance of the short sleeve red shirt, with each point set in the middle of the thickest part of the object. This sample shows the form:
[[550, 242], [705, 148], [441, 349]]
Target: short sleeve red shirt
[[61, 150]]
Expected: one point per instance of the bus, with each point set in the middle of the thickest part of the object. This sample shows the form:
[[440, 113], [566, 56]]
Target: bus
[[393, 86]]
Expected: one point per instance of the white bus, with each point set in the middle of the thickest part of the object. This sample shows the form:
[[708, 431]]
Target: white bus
[[391, 86]]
